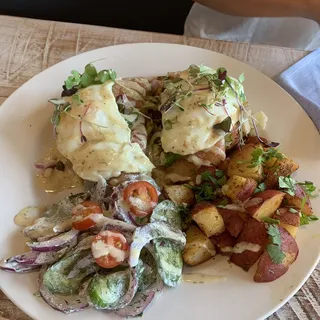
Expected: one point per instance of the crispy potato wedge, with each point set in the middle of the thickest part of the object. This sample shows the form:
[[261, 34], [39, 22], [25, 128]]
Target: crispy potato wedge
[[276, 168], [239, 188], [179, 194], [268, 270], [253, 232], [232, 220], [224, 242], [208, 218], [198, 248], [288, 220], [239, 164], [264, 203], [298, 199]]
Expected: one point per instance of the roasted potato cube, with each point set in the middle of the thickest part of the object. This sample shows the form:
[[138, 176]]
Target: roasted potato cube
[[268, 270], [232, 220], [264, 203], [288, 220], [208, 218], [239, 188], [276, 168], [239, 164], [224, 242], [253, 232], [179, 194], [298, 199], [181, 171], [198, 248]]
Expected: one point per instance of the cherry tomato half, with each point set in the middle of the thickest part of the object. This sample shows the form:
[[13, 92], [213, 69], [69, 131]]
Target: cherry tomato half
[[83, 210], [142, 197], [109, 248]]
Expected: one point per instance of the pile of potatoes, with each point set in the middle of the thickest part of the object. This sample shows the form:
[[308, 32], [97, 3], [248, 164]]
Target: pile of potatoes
[[238, 229]]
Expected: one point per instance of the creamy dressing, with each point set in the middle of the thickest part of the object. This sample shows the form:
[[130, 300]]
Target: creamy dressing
[[28, 215], [191, 129], [244, 246], [53, 180], [201, 278], [107, 149]]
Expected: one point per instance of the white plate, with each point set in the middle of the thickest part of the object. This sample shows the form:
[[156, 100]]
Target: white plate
[[25, 134]]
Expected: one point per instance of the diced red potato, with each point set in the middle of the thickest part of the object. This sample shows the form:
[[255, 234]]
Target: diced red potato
[[264, 203], [232, 221], [288, 220], [253, 232], [268, 270], [213, 155], [239, 188], [224, 242], [298, 199], [208, 218]]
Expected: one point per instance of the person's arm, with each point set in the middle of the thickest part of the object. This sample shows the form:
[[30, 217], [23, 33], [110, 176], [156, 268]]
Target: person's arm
[[266, 8]]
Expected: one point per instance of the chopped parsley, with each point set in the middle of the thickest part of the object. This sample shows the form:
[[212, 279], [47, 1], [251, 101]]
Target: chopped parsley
[[171, 158], [260, 156], [304, 219], [288, 184], [261, 187], [271, 220], [309, 188], [274, 247]]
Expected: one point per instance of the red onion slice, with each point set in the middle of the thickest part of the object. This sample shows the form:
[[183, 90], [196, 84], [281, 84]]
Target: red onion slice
[[56, 243], [13, 266], [45, 164], [65, 304]]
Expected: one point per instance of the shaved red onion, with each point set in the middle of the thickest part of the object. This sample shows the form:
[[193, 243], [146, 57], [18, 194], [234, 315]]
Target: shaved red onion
[[45, 164], [13, 266], [65, 304], [56, 243], [85, 262]]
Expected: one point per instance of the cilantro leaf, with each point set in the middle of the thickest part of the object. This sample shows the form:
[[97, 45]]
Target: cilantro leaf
[[261, 187], [271, 220], [288, 184], [304, 219], [274, 233], [309, 188], [171, 158], [219, 173], [260, 156], [241, 78], [275, 253]]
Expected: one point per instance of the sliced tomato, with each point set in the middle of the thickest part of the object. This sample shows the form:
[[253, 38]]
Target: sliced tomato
[[109, 248], [142, 197], [80, 213]]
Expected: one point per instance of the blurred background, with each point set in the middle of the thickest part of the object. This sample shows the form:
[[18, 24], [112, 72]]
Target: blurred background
[[166, 16]]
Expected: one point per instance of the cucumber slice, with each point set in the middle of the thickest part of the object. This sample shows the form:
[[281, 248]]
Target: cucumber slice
[[57, 280], [168, 212]]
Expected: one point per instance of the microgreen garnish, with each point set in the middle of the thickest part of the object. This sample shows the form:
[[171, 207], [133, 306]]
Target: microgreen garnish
[[261, 187], [287, 184], [274, 247], [304, 219], [60, 106], [89, 77], [271, 220], [225, 125], [76, 99], [171, 158]]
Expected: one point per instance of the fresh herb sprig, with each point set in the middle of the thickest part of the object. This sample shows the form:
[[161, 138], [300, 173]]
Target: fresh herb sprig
[[287, 184], [309, 188], [304, 219], [261, 187], [89, 77], [274, 247], [259, 156]]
